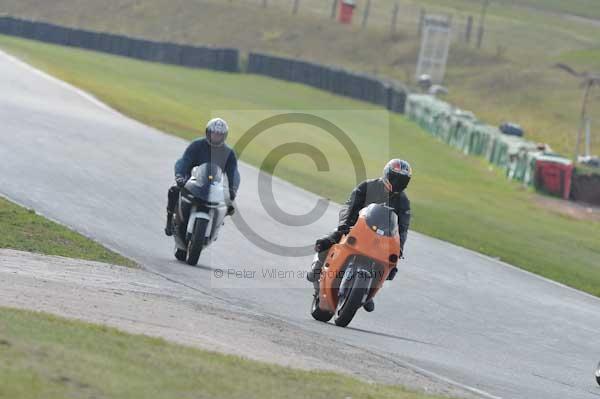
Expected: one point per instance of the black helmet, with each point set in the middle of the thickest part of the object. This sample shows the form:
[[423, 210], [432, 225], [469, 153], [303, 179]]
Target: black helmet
[[396, 175], [219, 126]]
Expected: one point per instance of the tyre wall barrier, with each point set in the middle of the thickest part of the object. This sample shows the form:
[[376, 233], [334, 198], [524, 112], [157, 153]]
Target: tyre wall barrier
[[220, 59], [389, 94]]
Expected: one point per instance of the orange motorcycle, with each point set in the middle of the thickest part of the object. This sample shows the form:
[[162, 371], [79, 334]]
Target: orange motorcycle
[[355, 268]]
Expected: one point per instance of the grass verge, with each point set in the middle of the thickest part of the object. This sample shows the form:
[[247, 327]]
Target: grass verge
[[49, 357], [23, 230], [456, 198]]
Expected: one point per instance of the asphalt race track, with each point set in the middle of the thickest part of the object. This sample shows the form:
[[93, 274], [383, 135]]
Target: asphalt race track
[[450, 311]]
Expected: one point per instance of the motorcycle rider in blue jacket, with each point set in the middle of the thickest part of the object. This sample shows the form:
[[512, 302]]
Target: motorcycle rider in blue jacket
[[211, 148]]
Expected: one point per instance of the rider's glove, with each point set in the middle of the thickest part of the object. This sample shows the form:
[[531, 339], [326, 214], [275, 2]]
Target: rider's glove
[[343, 229], [320, 244], [392, 274], [230, 210], [323, 244], [180, 181], [328, 241]]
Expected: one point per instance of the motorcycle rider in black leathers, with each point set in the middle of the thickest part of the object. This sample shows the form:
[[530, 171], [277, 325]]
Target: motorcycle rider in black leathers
[[211, 148], [388, 190]]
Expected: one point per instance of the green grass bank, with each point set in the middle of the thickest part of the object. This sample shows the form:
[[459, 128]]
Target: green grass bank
[[44, 356], [22, 229]]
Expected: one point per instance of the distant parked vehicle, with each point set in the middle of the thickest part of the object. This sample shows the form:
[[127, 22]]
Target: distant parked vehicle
[[511, 129]]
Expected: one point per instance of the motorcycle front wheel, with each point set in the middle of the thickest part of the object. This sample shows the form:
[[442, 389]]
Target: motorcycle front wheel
[[351, 302], [196, 243]]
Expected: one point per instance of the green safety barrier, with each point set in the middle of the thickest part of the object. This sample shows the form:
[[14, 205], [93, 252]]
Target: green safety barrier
[[462, 130]]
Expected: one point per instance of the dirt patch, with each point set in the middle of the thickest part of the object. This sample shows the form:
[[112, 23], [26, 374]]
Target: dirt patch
[[575, 210]]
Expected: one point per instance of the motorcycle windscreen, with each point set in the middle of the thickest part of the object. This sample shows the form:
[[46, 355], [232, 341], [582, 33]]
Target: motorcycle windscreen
[[203, 176], [382, 219]]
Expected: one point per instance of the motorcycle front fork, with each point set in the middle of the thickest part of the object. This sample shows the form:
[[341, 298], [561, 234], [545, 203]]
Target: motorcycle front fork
[[316, 262]]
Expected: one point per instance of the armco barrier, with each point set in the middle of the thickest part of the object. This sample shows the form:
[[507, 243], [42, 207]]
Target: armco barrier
[[221, 59], [391, 95]]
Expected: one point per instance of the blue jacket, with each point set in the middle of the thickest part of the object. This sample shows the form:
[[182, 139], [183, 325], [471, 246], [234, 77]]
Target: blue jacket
[[200, 152]]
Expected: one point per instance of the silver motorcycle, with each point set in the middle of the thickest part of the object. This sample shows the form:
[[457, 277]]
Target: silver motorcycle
[[200, 213]]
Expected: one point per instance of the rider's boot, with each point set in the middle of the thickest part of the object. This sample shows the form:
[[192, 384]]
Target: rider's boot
[[315, 272], [369, 305], [169, 226]]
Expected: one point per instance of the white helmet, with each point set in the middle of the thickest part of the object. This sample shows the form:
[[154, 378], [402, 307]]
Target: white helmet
[[219, 126]]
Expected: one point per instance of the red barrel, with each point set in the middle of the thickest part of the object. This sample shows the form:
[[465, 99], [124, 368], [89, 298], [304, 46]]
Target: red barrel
[[346, 11], [553, 175]]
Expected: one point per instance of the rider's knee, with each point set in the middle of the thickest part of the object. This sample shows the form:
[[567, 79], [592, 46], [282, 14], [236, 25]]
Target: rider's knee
[[323, 255], [173, 192], [173, 196]]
